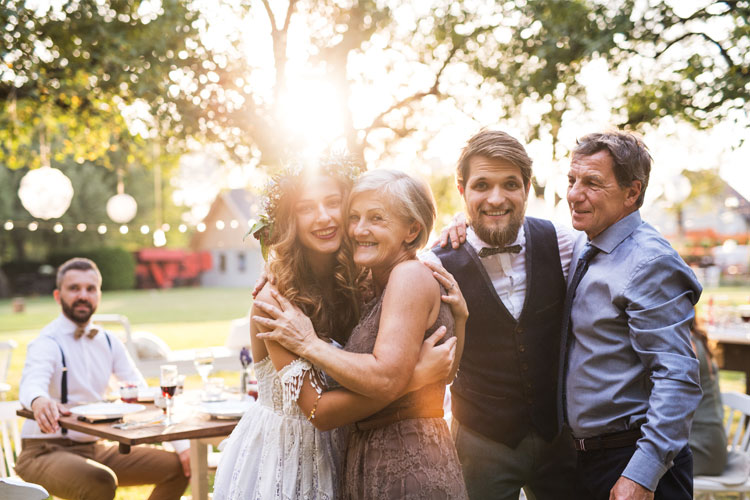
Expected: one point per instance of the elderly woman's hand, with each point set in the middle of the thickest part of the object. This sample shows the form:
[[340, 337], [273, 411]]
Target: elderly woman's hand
[[454, 298], [286, 324]]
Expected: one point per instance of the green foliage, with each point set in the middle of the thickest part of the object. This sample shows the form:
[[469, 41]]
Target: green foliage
[[117, 265], [692, 66], [447, 199]]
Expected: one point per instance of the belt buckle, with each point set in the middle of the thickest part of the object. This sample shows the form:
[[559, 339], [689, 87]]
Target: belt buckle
[[580, 444]]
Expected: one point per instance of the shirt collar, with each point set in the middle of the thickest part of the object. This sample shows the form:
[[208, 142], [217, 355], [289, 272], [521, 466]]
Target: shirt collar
[[478, 244], [68, 327], [607, 240]]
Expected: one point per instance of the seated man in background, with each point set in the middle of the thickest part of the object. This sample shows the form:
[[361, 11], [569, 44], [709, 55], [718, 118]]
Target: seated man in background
[[71, 362]]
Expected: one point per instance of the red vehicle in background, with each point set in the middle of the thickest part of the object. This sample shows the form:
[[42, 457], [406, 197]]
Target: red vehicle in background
[[167, 268]]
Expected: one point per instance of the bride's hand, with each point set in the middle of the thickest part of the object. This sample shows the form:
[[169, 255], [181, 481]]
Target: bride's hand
[[286, 324], [454, 298], [265, 277], [435, 362]]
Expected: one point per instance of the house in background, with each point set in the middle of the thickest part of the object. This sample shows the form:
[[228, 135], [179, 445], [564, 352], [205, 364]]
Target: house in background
[[236, 262], [710, 230]]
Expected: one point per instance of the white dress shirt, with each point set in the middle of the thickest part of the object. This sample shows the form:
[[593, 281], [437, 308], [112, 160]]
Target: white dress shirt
[[90, 363], [508, 270]]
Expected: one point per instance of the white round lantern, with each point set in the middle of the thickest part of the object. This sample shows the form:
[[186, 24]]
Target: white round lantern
[[45, 193], [121, 208]]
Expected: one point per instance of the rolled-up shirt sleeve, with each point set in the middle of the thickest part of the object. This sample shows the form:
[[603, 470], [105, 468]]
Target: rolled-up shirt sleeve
[[42, 360], [659, 304]]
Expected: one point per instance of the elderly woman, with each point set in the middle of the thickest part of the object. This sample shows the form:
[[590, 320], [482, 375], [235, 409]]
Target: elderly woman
[[404, 449]]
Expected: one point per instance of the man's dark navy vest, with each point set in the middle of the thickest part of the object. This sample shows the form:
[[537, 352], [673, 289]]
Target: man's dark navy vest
[[507, 379]]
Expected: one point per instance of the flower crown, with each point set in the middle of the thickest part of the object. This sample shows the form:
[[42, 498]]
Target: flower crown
[[339, 166]]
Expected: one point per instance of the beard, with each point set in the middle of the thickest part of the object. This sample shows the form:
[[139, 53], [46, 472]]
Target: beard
[[69, 310], [498, 237]]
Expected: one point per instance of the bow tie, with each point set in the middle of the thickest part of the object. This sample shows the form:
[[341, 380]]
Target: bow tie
[[81, 330], [487, 251]]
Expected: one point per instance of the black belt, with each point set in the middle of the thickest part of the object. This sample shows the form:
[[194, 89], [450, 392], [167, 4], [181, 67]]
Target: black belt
[[607, 441]]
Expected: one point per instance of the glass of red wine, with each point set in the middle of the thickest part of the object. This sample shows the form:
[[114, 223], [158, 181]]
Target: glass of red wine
[[168, 382]]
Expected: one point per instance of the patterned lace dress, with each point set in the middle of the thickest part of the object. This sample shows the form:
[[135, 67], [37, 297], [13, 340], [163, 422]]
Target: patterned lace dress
[[274, 452], [408, 459]]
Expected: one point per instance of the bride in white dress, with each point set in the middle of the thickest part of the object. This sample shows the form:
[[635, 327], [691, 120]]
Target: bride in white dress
[[275, 452]]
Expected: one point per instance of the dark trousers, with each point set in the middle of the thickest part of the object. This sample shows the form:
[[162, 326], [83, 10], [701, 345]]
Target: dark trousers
[[598, 471]]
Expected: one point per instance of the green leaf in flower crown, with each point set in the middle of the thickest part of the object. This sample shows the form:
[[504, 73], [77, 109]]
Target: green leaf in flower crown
[[256, 227]]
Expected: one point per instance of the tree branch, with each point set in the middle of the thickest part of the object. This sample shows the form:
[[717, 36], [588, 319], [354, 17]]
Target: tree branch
[[278, 37], [289, 15], [378, 121], [271, 17], [722, 50]]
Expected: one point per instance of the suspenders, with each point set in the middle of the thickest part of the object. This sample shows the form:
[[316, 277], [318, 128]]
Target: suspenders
[[64, 376]]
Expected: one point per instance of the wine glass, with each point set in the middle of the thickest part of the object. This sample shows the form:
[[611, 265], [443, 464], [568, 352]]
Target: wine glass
[[168, 383], [744, 311], [204, 363]]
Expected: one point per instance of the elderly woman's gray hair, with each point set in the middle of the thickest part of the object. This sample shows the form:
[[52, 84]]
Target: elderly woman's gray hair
[[408, 198]]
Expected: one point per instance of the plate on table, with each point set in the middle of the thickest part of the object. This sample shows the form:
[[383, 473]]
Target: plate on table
[[107, 409], [226, 409]]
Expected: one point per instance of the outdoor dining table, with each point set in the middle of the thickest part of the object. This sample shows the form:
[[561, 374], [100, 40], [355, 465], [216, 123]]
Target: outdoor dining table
[[733, 348], [193, 425]]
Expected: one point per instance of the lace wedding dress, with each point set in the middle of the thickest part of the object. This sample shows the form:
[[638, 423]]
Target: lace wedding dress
[[274, 452]]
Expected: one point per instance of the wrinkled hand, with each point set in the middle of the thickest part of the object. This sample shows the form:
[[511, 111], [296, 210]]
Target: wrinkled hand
[[454, 298], [46, 414], [627, 489], [265, 277], [184, 456], [455, 232], [286, 324], [434, 364]]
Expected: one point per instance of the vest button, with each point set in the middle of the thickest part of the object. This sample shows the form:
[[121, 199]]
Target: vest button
[[525, 366], [519, 330], [521, 348]]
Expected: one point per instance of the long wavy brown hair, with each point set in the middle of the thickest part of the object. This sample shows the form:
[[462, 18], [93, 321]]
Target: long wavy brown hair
[[333, 313]]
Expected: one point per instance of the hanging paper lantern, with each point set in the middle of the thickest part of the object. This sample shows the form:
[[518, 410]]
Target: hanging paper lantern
[[121, 208], [45, 193]]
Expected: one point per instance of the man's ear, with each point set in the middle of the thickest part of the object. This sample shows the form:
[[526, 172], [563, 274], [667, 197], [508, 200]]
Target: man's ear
[[56, 295], [632, 193], [460, 189]]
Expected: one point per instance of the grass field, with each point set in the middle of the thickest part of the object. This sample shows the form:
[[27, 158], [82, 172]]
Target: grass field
[[200, 317]]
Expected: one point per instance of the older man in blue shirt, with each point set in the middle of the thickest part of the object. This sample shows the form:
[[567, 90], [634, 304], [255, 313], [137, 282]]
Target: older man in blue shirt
[[631, 378]]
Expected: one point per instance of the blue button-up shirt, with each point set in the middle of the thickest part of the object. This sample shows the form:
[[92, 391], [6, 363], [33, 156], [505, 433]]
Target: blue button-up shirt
[[630, 359]]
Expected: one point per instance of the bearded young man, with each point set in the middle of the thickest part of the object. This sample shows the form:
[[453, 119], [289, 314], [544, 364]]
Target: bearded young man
[[71, 362], [512, 271]]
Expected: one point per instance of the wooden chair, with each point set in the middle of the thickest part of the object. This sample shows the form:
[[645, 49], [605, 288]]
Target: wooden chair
[[11, 486], [10, 437], [735, 478], [6, 349]]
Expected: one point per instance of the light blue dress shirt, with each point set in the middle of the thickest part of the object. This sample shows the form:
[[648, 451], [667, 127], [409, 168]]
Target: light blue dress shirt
[[630, 359]]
